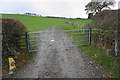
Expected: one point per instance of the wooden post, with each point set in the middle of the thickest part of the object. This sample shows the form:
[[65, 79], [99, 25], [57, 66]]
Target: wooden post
[[117, 41]]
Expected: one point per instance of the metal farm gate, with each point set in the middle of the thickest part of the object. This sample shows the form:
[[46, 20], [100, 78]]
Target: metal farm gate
[[79, 37]]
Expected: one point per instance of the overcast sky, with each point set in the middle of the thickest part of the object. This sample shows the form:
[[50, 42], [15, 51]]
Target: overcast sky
[[61, 8]]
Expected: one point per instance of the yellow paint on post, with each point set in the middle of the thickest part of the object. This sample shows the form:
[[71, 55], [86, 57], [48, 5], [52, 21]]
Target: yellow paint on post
[[12, 66]]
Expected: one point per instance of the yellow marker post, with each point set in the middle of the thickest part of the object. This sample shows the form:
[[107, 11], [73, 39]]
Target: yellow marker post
[[12, 66]]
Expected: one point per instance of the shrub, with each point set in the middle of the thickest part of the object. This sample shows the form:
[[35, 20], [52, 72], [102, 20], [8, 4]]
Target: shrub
[[11, 32], [105, 25]]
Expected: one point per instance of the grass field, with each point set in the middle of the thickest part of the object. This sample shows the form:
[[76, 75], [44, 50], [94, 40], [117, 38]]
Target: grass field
[[36, 23]]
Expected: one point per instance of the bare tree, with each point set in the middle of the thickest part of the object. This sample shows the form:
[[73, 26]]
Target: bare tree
[[96, 6]]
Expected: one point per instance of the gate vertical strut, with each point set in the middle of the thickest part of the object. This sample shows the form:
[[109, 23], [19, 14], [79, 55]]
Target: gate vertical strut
[[27, 42], [89, 35]]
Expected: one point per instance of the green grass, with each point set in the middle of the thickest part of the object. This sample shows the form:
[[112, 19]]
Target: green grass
[[77, 38], [36, 23], [100, 57], [81, 22]]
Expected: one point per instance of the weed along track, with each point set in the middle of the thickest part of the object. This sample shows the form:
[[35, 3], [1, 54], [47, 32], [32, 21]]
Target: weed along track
[[57, 58]]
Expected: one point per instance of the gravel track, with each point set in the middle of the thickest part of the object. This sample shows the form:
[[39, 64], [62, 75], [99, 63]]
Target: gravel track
[[57, 58]]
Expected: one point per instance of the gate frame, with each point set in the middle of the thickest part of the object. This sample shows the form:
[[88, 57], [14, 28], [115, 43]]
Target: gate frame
[[28, 40]]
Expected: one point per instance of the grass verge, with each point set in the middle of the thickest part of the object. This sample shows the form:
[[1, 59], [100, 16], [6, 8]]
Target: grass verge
[[100, 57]]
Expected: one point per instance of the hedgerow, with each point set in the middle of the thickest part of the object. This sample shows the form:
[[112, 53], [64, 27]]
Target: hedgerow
[[104, 30], [12, 30]]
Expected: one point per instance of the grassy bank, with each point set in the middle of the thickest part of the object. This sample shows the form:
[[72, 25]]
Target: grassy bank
[[100, 57]]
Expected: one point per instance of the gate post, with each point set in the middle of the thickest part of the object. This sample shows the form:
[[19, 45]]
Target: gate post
[[89, 35], [27, 41]]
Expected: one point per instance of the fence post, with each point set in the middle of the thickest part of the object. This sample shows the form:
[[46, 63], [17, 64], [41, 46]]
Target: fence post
[[89, 35], [27, 41]]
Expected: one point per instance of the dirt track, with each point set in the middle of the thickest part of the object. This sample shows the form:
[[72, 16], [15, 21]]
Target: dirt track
[[57, 58]]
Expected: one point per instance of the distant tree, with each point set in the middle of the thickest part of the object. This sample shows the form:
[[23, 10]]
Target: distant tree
[[96, 6]]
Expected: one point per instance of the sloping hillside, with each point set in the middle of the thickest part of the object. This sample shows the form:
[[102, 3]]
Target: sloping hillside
[[36, 23]]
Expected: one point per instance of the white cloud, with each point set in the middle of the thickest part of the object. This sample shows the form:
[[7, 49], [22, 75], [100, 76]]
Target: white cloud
[[65, 8], [43, 0]]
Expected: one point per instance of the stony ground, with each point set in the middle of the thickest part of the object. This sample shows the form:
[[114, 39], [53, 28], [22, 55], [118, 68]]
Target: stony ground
[[57, 57]]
